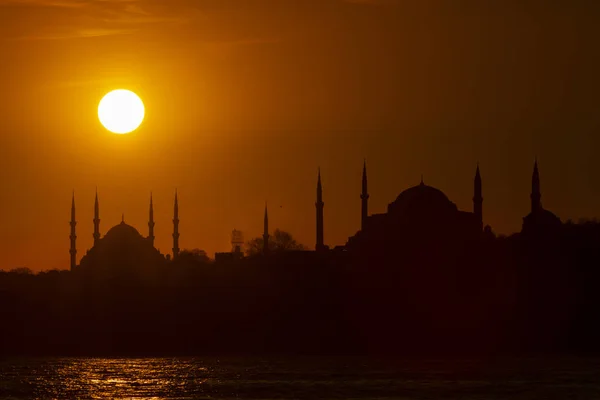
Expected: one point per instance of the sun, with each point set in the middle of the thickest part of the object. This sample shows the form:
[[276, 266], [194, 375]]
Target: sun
[[121, 111]]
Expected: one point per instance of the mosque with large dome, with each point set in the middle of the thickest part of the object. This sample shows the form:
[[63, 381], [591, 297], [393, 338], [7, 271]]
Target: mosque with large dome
[[122, 248], [421, 213]]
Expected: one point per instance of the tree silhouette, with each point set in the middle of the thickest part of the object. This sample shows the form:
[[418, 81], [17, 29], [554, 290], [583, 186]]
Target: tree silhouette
[[278, 241], [194, 255], [21, 271]]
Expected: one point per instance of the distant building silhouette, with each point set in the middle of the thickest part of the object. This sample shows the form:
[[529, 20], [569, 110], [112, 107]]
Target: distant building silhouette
[[237, 242], [237, 248], [121, 247], [122, 250], [266, 232], [419, 213], [478, 199], [176, 228], [539, 220], [73, 237], [364, 212], [319, 206]]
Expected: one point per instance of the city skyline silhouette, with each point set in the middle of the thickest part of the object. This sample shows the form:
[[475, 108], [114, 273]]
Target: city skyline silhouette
[[537, 211]]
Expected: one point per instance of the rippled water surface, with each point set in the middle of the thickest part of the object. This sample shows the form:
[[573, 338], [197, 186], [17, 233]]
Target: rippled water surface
[[308, 378]]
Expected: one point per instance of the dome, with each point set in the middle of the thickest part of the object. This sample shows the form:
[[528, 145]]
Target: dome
[[549, 216], [421, 197], [421, 192], [122, 231], [122, 249], [541, 220]]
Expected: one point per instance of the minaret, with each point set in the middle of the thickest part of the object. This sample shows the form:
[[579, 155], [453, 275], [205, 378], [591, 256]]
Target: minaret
[[478, 198], [536, 194], [365, 198], [266, 232], [176, 228], [151, 222], [73, 237], [96, 220], [319, 205]]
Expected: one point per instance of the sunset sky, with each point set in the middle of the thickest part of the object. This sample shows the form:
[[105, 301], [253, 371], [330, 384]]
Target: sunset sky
[[246, 99]]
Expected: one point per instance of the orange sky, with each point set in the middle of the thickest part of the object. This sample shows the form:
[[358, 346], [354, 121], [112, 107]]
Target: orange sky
[[245, 99]]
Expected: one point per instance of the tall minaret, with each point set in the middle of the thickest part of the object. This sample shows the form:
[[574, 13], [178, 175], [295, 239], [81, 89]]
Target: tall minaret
[[96, 220], [536, 194], [151, 222], [73, 237], [176, 228], [266, 232], [365, 198], [478, 198], [319, 205]]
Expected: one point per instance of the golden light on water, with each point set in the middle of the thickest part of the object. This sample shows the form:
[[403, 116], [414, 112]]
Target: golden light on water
[[121, 111]]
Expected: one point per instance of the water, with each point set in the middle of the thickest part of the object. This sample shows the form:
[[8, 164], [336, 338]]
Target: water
[[308, 378]]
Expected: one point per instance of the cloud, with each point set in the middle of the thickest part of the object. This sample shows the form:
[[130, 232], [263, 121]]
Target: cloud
[[44, 3], [81, 33], [242, 42], [215, 27], [89, 18]]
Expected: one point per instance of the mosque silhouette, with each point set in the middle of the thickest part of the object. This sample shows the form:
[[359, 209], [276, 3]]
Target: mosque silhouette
[[420, 214]]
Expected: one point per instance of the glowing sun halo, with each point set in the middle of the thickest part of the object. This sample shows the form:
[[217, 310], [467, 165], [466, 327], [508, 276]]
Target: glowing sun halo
[[121, 111]]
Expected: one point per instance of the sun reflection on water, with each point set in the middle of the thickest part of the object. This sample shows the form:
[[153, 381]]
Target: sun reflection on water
[[123, 378], [242, 378]]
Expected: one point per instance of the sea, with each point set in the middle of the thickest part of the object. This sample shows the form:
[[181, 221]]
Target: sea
[[299, 378]]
